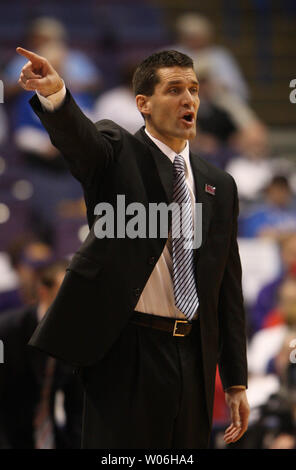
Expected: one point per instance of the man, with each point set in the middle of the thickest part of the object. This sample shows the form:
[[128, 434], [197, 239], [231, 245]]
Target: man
[[144, 320], [28, 392], [27, 254], [267, 296]]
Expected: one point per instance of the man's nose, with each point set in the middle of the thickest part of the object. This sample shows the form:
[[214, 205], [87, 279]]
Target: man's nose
[[187, 98]]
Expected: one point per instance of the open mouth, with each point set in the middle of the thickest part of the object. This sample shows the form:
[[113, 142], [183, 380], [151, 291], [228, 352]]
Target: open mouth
[[188, 118]]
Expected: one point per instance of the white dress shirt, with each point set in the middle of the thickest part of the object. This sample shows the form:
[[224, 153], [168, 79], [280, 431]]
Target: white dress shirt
[[157, 297]]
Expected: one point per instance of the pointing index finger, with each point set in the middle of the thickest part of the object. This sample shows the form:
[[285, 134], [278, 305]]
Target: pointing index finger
[[34, 58]]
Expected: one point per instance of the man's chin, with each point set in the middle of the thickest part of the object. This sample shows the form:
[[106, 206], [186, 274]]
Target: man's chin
[[192, 134], [181, 134], [188, 134]]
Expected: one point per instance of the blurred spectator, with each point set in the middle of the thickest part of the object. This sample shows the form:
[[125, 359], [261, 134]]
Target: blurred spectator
[[275, 316], [267, 296], [215, 125], [29, 134], [29, 402], [225, 122], [284, 363], [27, 254], [80, 74], [212, 118], [283, 440], [224, 116], [267, 343], [252, 169], [119, 104], [275, 218], [195, 37], [286, 166], [3, 125], [275, 425]]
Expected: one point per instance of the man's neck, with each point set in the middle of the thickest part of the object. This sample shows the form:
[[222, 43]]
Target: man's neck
[[177, 145]]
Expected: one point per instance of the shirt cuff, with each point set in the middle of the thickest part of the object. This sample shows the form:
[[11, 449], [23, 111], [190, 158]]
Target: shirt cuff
[[52, 102], [236, 387]]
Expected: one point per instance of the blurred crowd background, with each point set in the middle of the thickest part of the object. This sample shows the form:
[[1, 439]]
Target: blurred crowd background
[[244, 54]]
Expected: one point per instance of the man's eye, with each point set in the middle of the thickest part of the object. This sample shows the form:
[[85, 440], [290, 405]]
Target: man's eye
[[173, 90], [194, 90]]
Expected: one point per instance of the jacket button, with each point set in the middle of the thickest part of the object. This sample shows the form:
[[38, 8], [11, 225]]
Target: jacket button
[[152, 260], [137, 292]]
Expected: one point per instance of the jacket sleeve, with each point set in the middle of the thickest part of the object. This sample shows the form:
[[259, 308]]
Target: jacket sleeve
[[4, 444], [88, 148], [232, 329], [70, 433], [4, 335]]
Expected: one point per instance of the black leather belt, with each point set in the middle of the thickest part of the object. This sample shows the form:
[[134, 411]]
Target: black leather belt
[[177, 327]]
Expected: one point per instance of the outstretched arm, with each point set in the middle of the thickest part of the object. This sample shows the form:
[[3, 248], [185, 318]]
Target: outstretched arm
[[87, 150]]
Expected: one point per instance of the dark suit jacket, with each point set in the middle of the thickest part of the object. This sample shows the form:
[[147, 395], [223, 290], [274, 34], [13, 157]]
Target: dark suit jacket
[[106, 276], [20, 386]]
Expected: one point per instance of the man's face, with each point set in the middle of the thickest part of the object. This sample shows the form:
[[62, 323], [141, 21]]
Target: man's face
[[171, 111]]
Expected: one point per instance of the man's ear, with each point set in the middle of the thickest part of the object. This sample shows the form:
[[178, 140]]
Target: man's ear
[[143, 104]]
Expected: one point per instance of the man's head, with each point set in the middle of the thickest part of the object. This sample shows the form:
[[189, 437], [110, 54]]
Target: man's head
[[166, 90], [194, 31], [278, 191], [44, 30], [28, 254]]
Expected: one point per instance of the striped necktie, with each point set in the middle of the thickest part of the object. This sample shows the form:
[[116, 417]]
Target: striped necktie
[[184, 282]]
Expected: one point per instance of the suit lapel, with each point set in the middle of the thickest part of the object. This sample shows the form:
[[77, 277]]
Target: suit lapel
[[36, 359], [201, 178], [163, 165]]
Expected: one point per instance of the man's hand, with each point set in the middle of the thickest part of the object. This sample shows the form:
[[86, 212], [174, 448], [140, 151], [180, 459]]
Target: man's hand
[[38, 74], [237, 402]]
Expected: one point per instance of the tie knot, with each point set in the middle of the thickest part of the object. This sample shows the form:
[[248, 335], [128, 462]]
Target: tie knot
[[179, 164]]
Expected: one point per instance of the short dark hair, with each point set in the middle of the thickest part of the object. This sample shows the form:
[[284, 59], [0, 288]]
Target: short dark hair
[[280, 181], [145, 77]]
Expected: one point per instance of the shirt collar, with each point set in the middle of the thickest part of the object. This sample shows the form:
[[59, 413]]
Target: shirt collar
[[170, 153]]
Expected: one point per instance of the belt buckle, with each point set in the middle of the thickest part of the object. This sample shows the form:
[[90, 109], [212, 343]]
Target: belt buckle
[[176, 326]]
